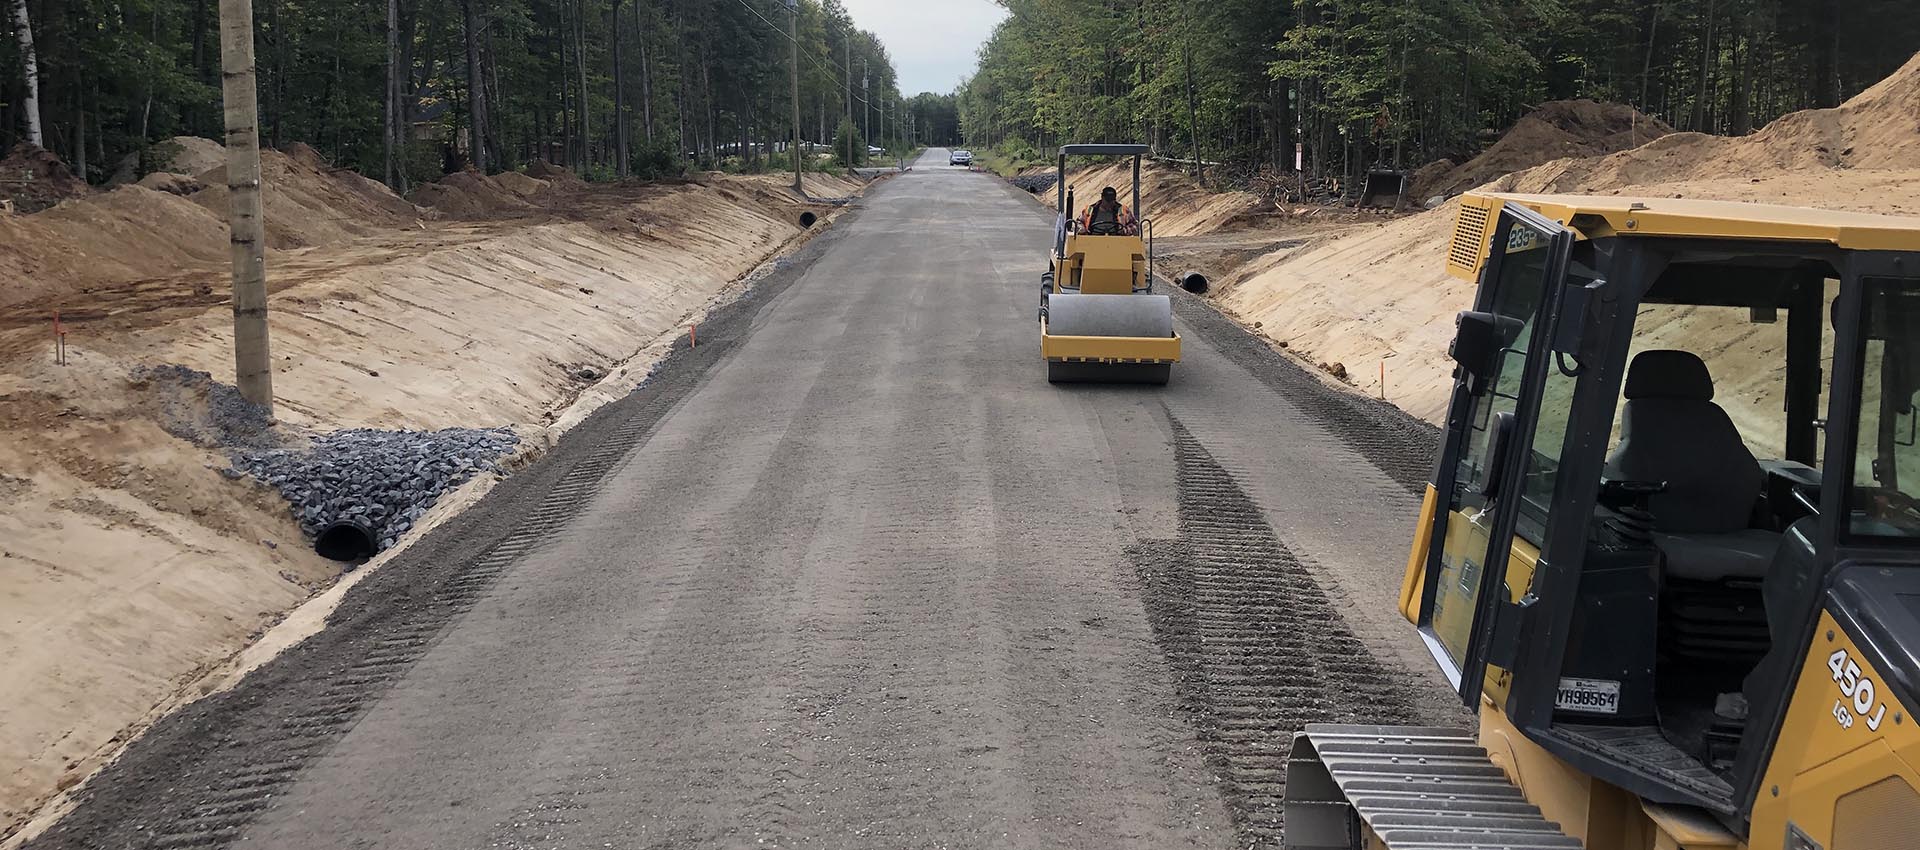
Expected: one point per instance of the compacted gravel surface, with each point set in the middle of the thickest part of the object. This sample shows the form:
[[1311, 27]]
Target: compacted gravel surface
[[849, 575]]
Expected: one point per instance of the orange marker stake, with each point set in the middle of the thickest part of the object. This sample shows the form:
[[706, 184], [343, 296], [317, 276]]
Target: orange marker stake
[[1383, 380], [693, 336]]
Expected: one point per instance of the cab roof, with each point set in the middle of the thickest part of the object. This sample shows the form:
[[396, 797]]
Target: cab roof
[[1683, 217]]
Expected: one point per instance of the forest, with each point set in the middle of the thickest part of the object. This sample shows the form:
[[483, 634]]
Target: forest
[[407, 89], [1350, 85]]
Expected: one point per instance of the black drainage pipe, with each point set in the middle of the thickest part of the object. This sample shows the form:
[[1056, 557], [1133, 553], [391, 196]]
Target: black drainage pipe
[[808, 218], [1194, 282], [345, 540]]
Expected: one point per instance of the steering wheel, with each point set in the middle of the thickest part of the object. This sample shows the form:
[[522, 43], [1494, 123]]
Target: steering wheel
[[1104, 228]]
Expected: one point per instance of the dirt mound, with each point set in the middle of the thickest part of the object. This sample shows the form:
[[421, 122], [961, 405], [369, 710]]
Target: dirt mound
[[193, 155], [1877, 129], [170, 183], [521, 184], [309, 202], [555, 174], [469, 194], [34, 179], [1556, 130]]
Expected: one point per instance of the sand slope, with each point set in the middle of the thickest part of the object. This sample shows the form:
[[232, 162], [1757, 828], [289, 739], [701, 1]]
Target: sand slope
[[133, 566], [1377, 295]]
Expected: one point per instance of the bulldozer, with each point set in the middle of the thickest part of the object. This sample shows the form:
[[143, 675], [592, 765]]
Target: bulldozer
[[1676, 630], [1100, 319]]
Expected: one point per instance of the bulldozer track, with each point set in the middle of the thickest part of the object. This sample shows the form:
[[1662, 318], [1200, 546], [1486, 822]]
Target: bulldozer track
[[1258, 648]]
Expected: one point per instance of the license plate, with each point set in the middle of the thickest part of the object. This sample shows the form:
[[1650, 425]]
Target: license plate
[[1593, 696]]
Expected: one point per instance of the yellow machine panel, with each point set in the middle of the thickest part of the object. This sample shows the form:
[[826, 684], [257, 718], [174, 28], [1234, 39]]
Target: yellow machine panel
[[1843, 773]]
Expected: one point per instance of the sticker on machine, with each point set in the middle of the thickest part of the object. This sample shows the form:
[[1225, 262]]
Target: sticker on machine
[[1593, 696]]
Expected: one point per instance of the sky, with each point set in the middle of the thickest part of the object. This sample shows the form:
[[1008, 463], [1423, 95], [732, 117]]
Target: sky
[[932, 43]]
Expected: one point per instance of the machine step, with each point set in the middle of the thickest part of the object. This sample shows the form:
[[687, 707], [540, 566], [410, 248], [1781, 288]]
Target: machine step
[[1412, 788]]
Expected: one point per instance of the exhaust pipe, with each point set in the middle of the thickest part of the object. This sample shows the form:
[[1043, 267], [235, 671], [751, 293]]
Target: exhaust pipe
[[808, 218], [346, 540], [1194, 282]]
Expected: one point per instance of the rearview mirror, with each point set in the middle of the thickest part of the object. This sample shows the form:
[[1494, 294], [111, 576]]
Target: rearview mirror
[[1478, 339]]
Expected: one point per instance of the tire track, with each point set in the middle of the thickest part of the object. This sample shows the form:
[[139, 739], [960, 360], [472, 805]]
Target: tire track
[[1258, 649]]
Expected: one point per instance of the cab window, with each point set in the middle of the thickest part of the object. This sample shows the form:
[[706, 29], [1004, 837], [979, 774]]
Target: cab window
[[1884, 500]]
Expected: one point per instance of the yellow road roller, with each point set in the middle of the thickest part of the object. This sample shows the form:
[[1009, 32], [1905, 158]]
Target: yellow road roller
[[1686, 616], [1100, 320]]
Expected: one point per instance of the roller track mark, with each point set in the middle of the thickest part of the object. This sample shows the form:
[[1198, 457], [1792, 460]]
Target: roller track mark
[[1400, 446], [1257, 648]]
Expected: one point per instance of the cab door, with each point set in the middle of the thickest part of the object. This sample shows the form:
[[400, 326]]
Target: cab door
[[1478, 482]]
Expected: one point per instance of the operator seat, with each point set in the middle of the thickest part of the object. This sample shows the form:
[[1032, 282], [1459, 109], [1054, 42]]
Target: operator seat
[[1672, 431]]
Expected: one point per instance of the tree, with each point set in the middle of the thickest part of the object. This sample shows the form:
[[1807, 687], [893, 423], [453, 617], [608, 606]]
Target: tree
[[30, 72]]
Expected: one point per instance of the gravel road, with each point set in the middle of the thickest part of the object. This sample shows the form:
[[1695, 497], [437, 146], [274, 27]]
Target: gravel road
[[849, 575]]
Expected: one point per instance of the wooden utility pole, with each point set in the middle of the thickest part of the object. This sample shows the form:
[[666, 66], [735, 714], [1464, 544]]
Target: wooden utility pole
[[23, 27], [252, 361], [849, 43], [793, 36]]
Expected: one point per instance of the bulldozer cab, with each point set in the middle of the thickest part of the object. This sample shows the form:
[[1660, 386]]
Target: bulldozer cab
[[1672, 538]]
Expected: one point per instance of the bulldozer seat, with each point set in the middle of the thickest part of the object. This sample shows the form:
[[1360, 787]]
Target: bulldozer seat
[[1671, 431]]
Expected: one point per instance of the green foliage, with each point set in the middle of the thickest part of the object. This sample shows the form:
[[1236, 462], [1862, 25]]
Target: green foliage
[[695, 76], [1359, 82], [849, 151]]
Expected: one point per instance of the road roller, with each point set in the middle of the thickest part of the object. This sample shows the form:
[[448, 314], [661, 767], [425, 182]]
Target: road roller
[[1682, 620], [1100, 320]]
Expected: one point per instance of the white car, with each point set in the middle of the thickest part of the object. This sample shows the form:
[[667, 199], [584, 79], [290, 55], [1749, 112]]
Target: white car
[[874, 150], [960, 158]]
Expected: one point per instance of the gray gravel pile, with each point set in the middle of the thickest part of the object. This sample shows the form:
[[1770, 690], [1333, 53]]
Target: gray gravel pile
[[1036, 183], [191, 405], [384, 479]]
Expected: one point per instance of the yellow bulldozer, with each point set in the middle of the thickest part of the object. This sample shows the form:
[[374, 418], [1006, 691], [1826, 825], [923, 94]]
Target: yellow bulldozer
[[1684, 621], [1100, 320]]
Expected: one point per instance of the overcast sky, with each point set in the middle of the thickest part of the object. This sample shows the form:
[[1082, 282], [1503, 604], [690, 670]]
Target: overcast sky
[[932, 43]]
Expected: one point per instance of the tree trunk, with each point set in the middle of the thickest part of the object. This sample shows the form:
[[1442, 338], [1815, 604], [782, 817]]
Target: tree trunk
[[30, 65], [646, 70], [1700, 114], [390, 140], [586, 100], [252, 362], [476, 88], [1193, 113], [619, 97]]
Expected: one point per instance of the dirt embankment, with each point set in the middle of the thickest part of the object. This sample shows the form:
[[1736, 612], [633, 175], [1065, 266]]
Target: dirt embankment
[[1376, 295], [134, 565]]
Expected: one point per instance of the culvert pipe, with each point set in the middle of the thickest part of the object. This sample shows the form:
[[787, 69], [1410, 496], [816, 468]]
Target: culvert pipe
[[808, 218], [1195, 282], [345, 540]]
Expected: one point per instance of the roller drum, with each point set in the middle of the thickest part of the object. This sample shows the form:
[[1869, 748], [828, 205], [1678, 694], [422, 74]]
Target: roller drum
[[1074, 314]]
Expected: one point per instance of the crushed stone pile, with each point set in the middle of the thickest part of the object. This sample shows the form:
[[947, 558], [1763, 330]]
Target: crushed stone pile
[[1556, 130], [386, 480], [191, 405], [1036, 183]]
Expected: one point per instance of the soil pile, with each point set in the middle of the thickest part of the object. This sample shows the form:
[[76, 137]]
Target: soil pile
[[470, 194], [1556, 130], [34, 179], [1878, 129], [309, 202], [193, 155]]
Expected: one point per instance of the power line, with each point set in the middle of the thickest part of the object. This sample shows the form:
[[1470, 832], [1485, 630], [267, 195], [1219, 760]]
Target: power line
[[826, 69]]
